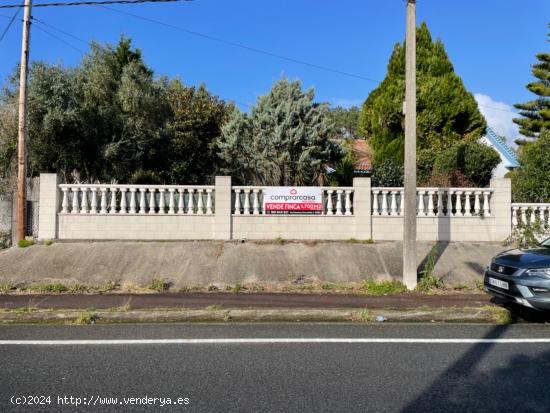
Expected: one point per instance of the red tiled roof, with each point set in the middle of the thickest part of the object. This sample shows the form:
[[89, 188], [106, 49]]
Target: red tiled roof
[[362, 155]]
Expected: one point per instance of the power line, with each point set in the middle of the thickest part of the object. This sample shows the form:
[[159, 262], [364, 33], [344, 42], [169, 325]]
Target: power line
[[243, 46], [9, 24], [59, 39], [61, 31], [261, 51], [89, 3]]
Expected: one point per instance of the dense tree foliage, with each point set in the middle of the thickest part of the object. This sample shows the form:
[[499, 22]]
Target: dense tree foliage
[[388, 174], [109, 118], [474, 163], [345, 121], [447, 112], [536, 113], [285, 140], [531, 183]]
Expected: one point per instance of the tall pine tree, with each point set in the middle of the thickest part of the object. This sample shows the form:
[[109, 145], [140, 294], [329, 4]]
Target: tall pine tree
[[536, 113], [447, 112]]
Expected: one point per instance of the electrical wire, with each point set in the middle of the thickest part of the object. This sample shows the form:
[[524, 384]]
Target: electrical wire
[[9, 24], [60, 39], [89, 3], [243, 46]]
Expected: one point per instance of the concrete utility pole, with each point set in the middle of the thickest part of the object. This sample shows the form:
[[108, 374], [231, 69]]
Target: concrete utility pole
[[409, 224], [22, 136]]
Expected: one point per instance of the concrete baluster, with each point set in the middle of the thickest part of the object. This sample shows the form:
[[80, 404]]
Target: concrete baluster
[[348, 202], [467, 204], [200, 202], [339, 202], [237, 202], [103, 200], [112, 209], [93, 203], [171, 201], [247, 201], [65, 201], [431, 203], [181, 201], [209, 201], [329, 202], [486, 204], [75, 209], [84, 201], [191, 202], [458, 206], [133, 200], [123, 200]]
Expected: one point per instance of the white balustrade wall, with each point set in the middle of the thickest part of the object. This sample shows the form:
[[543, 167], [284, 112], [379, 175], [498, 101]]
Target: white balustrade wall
[[223, 211], [136, 199], [432, 202], [524, 214]]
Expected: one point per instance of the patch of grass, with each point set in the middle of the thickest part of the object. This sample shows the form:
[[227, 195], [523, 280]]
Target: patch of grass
[[279, 241], [460, 287], [357, 241], [237, 288], [107, 287], [47, 288], [428, 283], [479, 285], [428, 280], [306, 287], [214, 307], [87, 317], [227, 316], [48, 242], [258, 288], [334, 286], [386, 287], [365, 316], [503, 316], [424, 308], [24, 243], [78, 289], [212, 287], [158, 285], [25, 310], [6, 288]]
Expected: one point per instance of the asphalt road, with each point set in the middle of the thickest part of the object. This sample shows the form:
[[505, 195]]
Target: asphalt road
[[426, 375]]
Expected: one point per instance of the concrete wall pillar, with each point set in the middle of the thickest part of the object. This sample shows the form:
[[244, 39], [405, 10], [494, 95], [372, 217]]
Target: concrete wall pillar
[[223, 208], [501, 208], [50, 202], [362, 205]]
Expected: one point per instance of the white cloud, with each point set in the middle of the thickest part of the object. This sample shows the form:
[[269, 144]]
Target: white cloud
[[499, 116]]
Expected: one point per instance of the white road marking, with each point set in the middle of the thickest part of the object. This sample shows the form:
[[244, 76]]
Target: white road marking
[[275, 341]]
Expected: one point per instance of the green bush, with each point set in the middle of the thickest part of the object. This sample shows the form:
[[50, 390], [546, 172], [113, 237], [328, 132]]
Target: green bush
[[531, 182], [387, 174], [24, 243], [158, 285], [383, 287], [475, 161]]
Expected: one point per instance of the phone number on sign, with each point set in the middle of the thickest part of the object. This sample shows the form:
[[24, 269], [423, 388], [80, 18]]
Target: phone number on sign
[[293, 206]]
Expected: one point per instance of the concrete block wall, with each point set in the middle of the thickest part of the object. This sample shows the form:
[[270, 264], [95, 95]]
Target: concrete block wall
[[224, 225]]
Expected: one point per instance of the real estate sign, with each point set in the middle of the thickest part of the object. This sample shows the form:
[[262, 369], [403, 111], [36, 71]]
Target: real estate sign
[[302, 200]]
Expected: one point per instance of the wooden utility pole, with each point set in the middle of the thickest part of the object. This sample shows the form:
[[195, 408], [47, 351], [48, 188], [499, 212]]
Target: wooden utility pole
[[409, 224], [22, 135]]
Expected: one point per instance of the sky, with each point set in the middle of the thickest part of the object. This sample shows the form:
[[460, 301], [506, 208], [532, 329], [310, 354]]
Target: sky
[[492, 44]]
